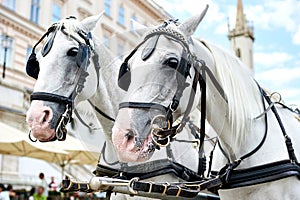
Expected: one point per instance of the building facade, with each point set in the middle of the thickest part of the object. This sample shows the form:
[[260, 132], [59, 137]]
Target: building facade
[[23, 22]]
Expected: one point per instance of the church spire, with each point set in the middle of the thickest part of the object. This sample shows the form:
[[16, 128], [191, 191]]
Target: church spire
[[242, 37], [240, 22]]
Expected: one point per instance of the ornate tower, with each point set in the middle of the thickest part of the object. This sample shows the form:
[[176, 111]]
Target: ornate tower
[[241, 37]]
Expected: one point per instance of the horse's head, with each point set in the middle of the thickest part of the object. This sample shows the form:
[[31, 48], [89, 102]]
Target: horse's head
[[158, 76], [65, 75]]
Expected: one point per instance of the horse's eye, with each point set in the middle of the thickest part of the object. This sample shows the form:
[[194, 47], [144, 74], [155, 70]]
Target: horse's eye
[[172, 62], [72, 52]]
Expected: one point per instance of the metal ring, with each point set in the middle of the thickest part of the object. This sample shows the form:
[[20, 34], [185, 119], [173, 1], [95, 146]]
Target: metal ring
[[274, 93], [153, 131], [57, 133], [172, 108], [29, 135], [158, 144], [157, 116], [130, 185], [197, 141]]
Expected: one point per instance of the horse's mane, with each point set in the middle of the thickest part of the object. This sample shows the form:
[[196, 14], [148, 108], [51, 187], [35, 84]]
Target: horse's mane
[[240, 88]]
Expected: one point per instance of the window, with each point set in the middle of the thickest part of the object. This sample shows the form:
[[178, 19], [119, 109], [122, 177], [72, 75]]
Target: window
[[34, 12], [107, 7], [9, 49], [238, 53], [133, 17], [106, 41], [11, 4], [120, 51], [28, 52], [121, 15], [56, 12]]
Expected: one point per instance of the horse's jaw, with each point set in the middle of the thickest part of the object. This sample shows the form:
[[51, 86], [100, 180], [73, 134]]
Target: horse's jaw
[[38, 118]]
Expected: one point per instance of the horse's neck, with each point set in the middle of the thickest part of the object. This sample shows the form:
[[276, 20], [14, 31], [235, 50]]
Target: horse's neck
[[108, 95]]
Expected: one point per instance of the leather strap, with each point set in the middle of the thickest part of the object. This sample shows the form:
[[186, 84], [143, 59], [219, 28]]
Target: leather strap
[[101, 112], [165, 189], [69, 186], [45, 96], [143, 105], [157, 168], [261, 174], [288, 141]]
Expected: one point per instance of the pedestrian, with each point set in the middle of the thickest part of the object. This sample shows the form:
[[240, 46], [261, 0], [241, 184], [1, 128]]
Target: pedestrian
[[12, 194], [40, 194], [31, 193], [44, 184], [52, 184], [4, 194]]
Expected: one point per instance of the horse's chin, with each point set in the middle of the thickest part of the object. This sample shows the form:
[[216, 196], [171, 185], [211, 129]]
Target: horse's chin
[[129, 150], [42, 133]]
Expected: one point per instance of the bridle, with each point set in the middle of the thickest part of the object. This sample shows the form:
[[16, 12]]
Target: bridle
[[162, 136], [82, 62]]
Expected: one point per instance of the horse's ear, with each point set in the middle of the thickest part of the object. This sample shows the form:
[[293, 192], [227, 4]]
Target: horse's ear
[[189, 26], [89, 23], [138, 28]]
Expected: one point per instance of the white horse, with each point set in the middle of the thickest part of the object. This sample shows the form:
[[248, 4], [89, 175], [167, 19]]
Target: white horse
[[163, 65], [73, 67]]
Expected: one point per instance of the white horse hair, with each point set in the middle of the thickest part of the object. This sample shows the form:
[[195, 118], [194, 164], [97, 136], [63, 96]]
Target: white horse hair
[[237, 82]]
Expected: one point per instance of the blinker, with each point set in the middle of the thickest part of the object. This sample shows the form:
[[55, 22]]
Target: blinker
[[150, 47], [82, 56], [124, 78], [32, 66], [47, 47]]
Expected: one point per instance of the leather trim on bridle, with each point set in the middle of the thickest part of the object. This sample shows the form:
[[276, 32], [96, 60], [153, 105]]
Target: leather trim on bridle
[[155, 106]]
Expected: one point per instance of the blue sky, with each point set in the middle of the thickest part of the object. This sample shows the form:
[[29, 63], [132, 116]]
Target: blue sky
[[276, 31]]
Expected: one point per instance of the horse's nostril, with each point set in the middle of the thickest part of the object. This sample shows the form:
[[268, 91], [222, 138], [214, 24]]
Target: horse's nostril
[[129, 135], [46, 116]]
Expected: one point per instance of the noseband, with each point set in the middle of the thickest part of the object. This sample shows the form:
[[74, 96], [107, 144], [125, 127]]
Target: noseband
[[162, 136], [82, 61]]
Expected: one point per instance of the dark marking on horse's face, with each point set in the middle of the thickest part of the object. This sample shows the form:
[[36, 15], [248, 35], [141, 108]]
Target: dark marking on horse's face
[[57, 110]]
